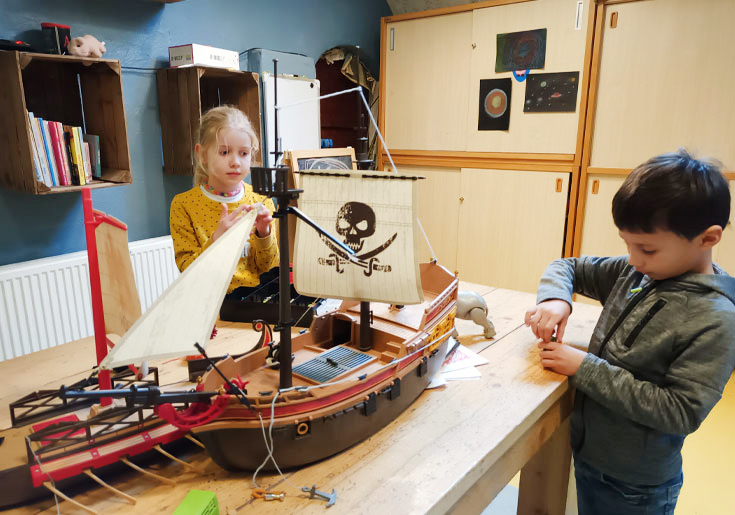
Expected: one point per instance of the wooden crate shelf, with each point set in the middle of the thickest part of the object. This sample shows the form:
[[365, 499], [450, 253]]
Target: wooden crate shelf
[[185, 93], [49, 86]]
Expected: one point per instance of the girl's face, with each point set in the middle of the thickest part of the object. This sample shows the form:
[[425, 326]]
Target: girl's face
[[227, 160]]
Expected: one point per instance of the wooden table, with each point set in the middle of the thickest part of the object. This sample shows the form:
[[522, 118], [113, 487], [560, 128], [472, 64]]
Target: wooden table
[[452, 450]]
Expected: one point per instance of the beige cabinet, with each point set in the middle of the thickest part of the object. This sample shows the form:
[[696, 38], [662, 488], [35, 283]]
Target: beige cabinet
[[495, 227], [599, 234], [511, 225], [433, 68], [565, 52], [657, 90], [426, 68], [724, 252]]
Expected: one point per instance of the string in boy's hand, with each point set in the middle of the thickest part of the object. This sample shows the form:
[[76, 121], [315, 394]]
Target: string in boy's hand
[[548, 316], [561, 358]]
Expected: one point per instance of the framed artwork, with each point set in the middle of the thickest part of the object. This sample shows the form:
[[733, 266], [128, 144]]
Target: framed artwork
[[324, 159], [525, 50], [551, 92], [494, 110]]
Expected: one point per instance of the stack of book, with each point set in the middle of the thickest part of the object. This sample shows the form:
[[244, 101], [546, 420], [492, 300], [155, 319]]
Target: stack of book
[[62, 154]]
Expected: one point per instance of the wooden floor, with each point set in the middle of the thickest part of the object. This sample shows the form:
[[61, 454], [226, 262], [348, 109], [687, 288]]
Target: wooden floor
[[709, 455]]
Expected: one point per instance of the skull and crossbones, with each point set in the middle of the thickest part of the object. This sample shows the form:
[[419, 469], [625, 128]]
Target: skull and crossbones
[[355, 223]]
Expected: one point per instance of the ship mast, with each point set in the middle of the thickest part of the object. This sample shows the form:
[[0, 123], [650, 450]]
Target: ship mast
[[273, 182]]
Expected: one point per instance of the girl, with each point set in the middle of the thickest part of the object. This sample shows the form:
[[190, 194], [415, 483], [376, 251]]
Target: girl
[[225, 143]]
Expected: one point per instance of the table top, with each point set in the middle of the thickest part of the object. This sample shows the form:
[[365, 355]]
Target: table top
[[421, 462]]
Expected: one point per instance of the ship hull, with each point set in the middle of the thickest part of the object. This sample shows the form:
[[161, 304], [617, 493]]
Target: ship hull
[[243, 448]]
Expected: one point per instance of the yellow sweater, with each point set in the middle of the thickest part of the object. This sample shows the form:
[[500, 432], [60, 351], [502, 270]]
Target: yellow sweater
[[194, 218]]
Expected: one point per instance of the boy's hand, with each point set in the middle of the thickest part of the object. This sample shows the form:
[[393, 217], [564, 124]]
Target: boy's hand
[[547, 316], [227, 220], [561, 358], [263, 220]]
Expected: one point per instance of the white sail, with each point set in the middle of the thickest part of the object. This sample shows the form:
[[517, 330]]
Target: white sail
[[186, 312], [372, 212]]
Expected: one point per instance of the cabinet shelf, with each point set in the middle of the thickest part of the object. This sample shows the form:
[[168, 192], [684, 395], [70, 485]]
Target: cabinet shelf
[[77, 91], [185, 93]]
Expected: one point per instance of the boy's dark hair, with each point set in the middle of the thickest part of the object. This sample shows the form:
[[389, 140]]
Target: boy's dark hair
[[673, 192]]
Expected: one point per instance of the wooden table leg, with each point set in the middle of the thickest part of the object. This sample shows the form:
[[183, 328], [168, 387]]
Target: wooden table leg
[[541, 448], [545, 478]]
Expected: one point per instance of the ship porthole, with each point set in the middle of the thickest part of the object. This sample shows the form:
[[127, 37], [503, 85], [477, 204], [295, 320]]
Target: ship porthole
[[302, 429]]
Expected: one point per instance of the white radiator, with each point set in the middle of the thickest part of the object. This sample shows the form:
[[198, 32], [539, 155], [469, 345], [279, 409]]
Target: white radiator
[[46, 302]]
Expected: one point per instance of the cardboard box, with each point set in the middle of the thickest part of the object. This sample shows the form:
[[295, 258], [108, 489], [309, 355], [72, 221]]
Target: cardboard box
[[202, 55]]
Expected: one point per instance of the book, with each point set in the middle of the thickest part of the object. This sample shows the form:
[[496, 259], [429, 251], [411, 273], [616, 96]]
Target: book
[[69, 140], [94, 154], [64, 151], [58, 155], [42, 153], [43, 126], [87, 162], [40, 175], [76, 133]]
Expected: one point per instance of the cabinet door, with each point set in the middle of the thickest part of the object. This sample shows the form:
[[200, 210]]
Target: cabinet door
[[599, 235], [724, 252], [565, 49], [665, 81], [438, 212], [426, 71], [511, 226]]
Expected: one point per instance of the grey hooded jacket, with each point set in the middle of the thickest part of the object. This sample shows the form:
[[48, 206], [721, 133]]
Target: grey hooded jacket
[[658, 361]]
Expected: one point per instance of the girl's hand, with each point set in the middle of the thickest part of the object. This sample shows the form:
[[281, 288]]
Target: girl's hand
[[561, 358], [227, 220], [547, 316], [262, 221]]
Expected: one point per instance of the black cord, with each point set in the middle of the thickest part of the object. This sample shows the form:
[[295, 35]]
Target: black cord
[[137, 68], [270, 50]]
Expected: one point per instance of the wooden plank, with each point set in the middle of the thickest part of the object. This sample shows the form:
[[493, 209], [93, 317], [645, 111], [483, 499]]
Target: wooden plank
[[552, 158], [17, 170], [120, 300], [589, 77], [543, 444], [589, 127], [452, 9], [462, 162]]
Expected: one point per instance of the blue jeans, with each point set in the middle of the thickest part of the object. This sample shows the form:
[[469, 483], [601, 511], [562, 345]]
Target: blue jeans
[[600, 494]]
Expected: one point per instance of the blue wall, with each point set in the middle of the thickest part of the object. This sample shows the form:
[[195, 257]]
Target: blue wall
[[138, 33]]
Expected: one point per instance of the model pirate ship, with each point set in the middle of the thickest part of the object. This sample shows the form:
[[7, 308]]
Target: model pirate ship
[[354, 371]]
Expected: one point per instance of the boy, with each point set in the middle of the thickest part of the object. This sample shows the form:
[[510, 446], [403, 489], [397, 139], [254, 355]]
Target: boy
[[663, 348]]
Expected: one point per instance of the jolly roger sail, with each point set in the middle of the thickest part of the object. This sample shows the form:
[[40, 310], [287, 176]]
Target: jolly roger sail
[[374, 214]]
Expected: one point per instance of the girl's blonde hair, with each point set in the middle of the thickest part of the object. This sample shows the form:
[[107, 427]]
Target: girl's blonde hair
[[213, 121]]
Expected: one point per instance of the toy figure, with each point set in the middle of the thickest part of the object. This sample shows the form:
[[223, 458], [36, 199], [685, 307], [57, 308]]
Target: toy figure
[[86, 46]]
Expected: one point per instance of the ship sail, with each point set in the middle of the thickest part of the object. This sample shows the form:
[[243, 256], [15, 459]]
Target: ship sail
[[374, 214], [186, 312]]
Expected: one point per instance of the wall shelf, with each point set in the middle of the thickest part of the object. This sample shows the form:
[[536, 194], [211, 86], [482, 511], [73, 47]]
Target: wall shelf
[[78, 91], [185, 93]]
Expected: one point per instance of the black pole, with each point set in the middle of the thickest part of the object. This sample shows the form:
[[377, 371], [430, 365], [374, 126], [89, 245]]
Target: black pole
[[366, 337], [284, 272], [284, 306]]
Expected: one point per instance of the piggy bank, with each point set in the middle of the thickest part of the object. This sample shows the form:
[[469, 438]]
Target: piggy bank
[[86, 46]]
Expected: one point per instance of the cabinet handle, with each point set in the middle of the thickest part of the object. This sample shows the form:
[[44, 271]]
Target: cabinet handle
[[559, 184], [614, 20], [595, 186], [461, 199], [392, 38], [474, 45]]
